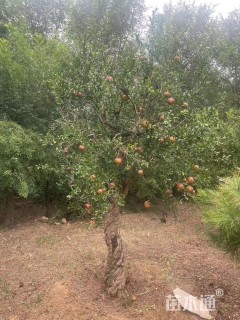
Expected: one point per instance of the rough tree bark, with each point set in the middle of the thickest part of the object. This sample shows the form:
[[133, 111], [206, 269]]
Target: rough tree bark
[[115, 275]]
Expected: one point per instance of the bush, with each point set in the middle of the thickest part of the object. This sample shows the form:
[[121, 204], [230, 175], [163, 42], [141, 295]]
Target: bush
[[222, 213], [17, 147]]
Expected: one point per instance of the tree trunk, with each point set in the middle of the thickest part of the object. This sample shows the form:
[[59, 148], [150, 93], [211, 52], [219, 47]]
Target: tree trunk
[[47, 202], [115, 275], [9, 219]]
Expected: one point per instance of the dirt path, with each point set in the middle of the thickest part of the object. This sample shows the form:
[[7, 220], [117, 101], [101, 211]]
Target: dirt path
[[50, 272]]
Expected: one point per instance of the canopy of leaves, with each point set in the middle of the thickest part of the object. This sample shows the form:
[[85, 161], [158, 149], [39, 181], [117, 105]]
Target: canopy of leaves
[[32, 79], [44, 17], [95, 74]]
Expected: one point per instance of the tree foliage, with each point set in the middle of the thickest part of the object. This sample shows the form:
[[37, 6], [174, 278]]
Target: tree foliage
[[42, 17], [108, 21], [162, 98], [17, 150], [227, 54], [32, 79], [182, 40]]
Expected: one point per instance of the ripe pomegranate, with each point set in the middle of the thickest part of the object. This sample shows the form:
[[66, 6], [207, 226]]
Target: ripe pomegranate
[[118, 161], [170, 101], [147, 204], [166, 94]]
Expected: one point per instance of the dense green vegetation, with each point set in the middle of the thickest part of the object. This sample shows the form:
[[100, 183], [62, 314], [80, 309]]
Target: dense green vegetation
[[222, 214], [161, 94]]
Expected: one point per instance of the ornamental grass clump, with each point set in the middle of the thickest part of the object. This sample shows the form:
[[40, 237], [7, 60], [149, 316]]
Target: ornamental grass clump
[[222, 214]]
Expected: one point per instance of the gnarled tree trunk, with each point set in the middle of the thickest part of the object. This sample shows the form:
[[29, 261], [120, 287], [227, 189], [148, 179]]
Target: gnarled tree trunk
[[115, 276]]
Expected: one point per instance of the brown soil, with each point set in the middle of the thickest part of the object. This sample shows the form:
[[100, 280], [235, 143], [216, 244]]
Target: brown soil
[[50, 272]]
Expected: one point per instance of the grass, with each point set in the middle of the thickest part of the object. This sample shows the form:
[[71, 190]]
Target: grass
[[37, 298], [5, 291], [222, 214], [46, 240]]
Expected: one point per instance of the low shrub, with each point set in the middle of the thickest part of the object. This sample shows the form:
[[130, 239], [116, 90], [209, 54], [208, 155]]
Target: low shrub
[[222, 214]]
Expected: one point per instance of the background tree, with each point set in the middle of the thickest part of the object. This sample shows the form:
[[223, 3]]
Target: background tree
[[182, 41], [32, 85], [3, 19], [108, 21], [43, 17], [227, 55]]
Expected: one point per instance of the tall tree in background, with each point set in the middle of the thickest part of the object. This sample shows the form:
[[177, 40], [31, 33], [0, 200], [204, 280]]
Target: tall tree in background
[[45, 17], [32, 82], [109, 21], [3, 19], [228, 55], [181, 41]]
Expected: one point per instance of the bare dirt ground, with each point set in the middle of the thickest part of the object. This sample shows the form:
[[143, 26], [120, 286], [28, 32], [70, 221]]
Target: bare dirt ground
[[50, 272]]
